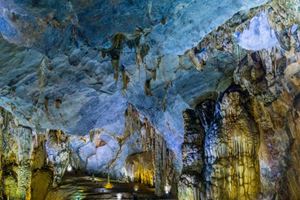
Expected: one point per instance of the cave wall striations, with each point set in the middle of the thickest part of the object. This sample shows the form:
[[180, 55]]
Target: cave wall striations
[[231, 146], [32, 164], [251, 139], [241, 83], [24, 174], [251, 146], [154, 165], [192, 155]]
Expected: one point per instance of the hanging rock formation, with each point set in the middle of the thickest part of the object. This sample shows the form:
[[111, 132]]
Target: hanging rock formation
[[192, 158], [24, 173], [231, 152], [201, 96]]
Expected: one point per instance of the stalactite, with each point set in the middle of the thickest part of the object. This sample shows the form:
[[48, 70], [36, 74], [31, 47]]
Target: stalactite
[[115, 52], [46, 104], [192, 154], [165, 97], [199, 64], [42, 71], [58, 149], [17, 145], [125, 78], [141, 52], [154, 165], [147, 87], [24, 173], [159, 164], [232, 167]]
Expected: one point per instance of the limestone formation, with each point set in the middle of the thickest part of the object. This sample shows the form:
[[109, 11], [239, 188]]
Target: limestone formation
[[187, 99]]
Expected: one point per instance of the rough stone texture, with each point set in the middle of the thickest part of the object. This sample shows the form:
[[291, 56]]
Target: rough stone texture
[[16, 151], [58, 154], [53, 97], [158, 59], [40, 183], [231, 148], [140, 168], [192, 158], [62, 83], [22, 156], [140, 154], [43, 24], [270, 80]]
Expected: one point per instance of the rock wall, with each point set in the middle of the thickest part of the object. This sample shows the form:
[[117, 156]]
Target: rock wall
[[32, 164], [272, 80], [250, 149], [239, 143], [160, 161], [16, 150], [251, 138], [231, 152], [24, 174], [58, 153], [192, 157]]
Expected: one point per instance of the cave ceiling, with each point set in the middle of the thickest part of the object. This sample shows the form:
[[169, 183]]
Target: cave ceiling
[[199, 99], [56, 59]]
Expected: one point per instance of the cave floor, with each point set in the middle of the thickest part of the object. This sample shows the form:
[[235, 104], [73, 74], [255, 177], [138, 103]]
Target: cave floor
[[76, 187]]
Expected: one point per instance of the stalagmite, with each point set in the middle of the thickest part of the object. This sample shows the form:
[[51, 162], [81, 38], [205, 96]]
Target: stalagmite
[[190, 100]]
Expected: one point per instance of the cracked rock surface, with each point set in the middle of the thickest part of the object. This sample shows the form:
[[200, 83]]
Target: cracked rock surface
[[201, 96]]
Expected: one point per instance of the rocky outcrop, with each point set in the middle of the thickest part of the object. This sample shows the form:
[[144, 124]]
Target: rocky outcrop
[[209, 89], [231, 152], [41, 183], [250, 138], [249, 148], [58, 154], [61, 82], [23, 161], [192, 157], [16, 150], [140, 168]]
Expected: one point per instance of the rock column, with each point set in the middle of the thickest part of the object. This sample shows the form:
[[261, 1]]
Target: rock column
[[231, 158]]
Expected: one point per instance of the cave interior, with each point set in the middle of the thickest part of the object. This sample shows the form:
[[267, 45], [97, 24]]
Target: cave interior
[[148, 99]]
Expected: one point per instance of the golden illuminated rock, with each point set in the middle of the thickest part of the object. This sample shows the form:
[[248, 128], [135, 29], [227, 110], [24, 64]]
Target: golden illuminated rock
[[140, 168], [108, 184], [231, 153]]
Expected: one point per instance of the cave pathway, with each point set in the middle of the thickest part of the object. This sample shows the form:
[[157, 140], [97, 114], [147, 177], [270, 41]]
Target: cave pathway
[[76, 187]]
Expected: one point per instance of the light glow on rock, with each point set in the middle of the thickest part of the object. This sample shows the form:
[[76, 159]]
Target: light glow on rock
[[167, 188], [69, 168], [119, 196]]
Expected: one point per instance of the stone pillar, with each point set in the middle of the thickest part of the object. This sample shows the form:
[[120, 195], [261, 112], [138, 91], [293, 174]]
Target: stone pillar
[[24, 180], [1, 151], [160, 177], [231, 152], [58, 143], [16, 148], [192, 151], [23, 136], [165, 171]]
